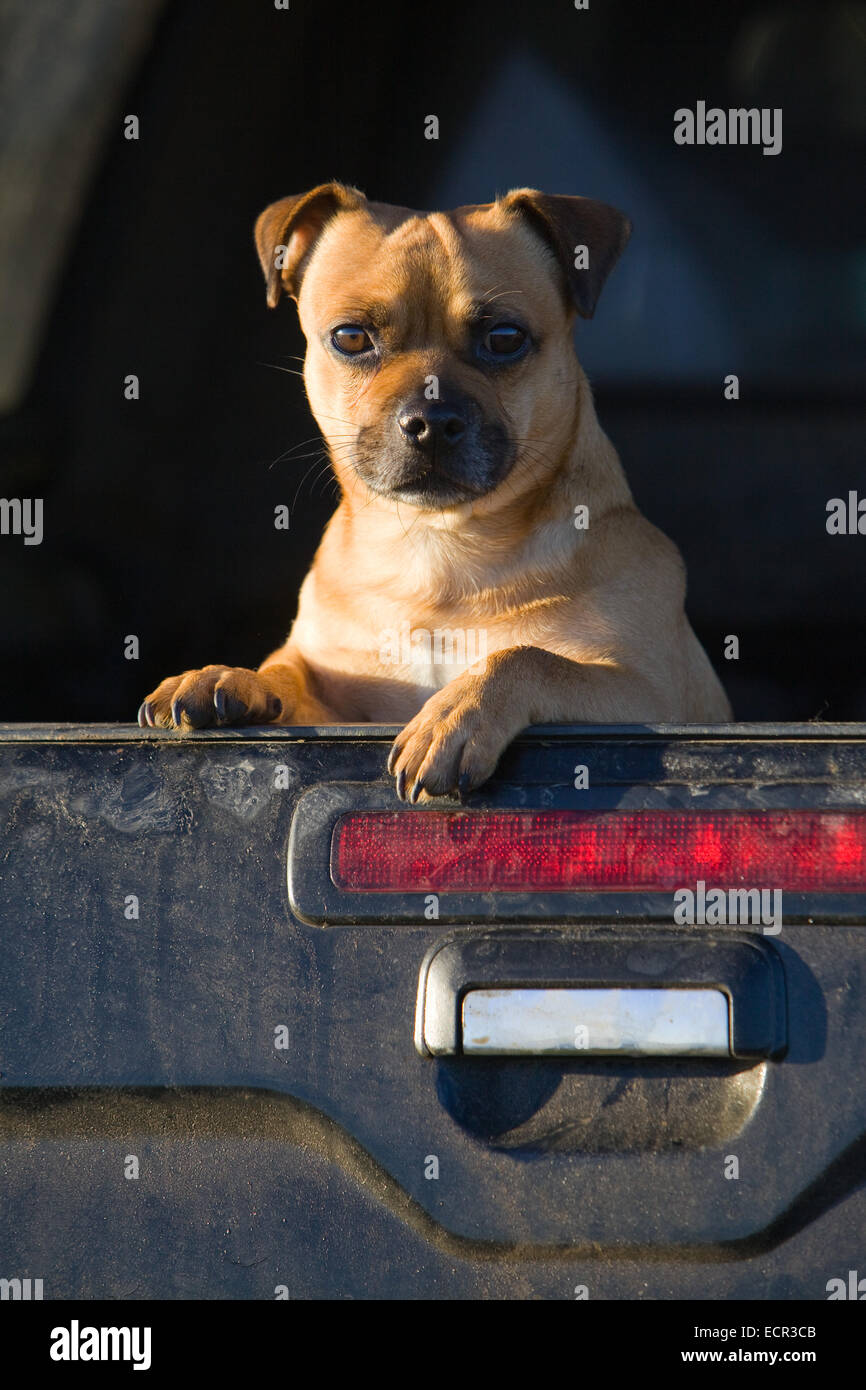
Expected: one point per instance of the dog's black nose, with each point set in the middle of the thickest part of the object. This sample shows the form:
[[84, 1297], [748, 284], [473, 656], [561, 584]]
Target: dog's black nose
[[431, 424]]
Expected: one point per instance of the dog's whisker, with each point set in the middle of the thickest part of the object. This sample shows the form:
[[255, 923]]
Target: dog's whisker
[[287, 453], [324, 469], [313, 454], [289, 371], [317, 460], [350, 424], [490, 295], [290, 455]]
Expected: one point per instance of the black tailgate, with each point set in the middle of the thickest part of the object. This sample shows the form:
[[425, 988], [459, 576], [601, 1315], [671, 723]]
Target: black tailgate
[[249, 1037]]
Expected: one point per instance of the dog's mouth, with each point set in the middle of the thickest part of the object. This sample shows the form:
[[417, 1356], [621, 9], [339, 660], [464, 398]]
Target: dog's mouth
[[440, 474], [431, 487]]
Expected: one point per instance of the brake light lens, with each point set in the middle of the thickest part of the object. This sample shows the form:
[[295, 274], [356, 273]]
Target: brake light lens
[[627, 851]]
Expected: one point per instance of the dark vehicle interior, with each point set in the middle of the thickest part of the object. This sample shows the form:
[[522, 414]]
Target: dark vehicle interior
[[159, 511]]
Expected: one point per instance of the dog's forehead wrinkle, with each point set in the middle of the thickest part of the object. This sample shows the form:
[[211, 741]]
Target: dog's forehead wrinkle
[[432, 267], [422, 246], [390, 215], [448, 232]]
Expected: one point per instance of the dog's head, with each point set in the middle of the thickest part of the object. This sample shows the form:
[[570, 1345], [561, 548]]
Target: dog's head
[[440, 363]]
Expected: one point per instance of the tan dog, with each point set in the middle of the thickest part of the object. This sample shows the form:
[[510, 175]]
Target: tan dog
[[486, 568]]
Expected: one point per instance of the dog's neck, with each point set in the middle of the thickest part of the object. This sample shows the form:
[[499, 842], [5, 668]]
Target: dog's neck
[[461, 550]]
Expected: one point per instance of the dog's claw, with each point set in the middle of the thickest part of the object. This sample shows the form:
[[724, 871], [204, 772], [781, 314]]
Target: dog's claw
[[416, 791], [143, 720], [219, 704], [392, 757], [401, 784]]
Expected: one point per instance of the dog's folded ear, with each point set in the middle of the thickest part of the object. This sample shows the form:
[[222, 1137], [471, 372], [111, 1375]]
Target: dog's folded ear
[[285, 233], [587, 238]]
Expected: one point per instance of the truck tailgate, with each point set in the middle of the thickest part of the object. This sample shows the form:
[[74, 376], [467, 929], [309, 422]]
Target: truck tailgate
[[232, 1060]]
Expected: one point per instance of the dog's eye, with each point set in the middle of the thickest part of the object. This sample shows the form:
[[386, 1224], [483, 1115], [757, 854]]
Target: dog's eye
[[504, 340], [351, 339]]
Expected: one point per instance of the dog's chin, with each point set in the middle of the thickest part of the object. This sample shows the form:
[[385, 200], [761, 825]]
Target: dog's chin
[[430, 493]]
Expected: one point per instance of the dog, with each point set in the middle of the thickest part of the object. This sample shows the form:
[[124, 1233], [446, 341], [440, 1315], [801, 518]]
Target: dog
[[486, 568]]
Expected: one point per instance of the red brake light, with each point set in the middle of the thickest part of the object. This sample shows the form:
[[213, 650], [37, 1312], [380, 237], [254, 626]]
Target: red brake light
[[632, 851]]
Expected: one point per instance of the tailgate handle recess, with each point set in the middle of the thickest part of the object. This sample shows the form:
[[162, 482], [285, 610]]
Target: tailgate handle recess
[[543, 992]]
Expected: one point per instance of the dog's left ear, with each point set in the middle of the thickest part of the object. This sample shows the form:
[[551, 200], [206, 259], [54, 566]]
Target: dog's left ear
[[286, 232], [586, 236]]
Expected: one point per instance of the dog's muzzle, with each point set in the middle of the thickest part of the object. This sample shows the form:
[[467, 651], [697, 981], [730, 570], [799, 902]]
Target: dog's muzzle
[[434, 453]]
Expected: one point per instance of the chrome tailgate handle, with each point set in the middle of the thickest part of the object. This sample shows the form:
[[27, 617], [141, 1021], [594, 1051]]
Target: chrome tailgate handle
[[627, 1022]]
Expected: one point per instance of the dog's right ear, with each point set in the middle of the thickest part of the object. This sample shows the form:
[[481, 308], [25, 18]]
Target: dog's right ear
[[566, 223], [286, 231]]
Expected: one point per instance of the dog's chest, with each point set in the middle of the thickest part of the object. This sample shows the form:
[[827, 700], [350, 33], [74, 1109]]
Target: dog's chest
[[429, 676], [429, 657]]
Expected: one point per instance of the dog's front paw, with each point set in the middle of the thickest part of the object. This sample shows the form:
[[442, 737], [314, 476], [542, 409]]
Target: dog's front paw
[[214, 695], [451, 746]]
